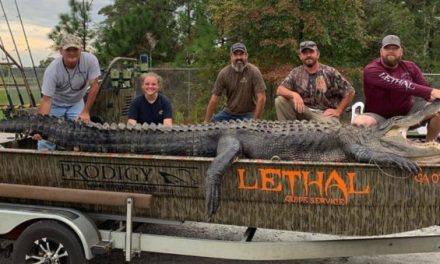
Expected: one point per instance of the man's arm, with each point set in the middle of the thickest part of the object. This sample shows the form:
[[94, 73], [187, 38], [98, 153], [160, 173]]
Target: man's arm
[[296, 99], [211, 108], [377, 76], [168, 113], [341, 107], [43, 109], [260, 93], [435, 94], [344, 86], [45, 105], [261, 100], [345, 102], [93, 92]]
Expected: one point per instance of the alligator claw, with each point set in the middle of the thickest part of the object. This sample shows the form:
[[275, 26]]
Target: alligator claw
[[406, 165], [410, 166], [212, 196]]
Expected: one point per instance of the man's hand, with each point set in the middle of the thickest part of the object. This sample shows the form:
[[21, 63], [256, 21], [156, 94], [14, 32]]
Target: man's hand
[[332, 112], [435, 94], [37, 137], [298, 102], [84, 117]]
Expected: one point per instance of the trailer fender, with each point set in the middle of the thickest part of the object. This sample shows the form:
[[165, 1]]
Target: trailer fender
[[82, 226]]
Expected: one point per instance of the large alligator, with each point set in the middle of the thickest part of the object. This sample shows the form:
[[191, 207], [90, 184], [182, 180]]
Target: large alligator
[[306, 141]]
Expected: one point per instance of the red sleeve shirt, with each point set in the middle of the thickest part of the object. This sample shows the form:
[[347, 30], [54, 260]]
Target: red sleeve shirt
[[388, 92]]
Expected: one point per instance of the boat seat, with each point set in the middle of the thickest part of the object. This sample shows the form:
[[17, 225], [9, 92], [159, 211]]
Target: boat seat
[[358, 109], [56, 194]]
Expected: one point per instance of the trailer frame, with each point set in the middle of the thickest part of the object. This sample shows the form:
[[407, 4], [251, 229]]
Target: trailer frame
[[96, 241]]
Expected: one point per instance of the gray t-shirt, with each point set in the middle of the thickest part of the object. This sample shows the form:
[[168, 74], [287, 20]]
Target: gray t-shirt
[[68, 86]]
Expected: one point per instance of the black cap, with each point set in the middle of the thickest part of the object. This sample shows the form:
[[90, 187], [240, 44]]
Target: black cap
[[238, 47], [308, 44]]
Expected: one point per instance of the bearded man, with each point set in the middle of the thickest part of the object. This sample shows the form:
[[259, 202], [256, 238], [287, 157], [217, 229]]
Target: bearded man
[[313, 91], [244, 87], [390, 85]]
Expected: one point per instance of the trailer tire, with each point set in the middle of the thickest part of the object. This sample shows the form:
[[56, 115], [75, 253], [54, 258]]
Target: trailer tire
[[50, 241]]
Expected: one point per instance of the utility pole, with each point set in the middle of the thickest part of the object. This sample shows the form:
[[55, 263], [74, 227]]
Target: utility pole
[[84, 14], [151, 40]]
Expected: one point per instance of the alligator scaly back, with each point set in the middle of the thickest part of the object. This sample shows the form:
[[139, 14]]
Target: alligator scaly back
[[293, 140]]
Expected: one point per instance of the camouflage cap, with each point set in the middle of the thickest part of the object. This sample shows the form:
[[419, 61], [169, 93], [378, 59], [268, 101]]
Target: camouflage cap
[[70, 41], [308, 44], [391, 40]]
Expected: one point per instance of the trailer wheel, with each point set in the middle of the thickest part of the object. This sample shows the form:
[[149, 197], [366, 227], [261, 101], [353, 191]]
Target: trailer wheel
[[47, 242]]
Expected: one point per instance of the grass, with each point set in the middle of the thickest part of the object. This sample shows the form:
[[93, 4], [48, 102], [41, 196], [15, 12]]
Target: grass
[[14, 94]]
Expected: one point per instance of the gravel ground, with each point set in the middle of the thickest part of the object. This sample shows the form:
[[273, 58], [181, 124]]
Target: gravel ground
[[222, 232]]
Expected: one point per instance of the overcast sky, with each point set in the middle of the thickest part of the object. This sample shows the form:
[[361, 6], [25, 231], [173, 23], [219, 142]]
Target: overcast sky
[[39, 18]]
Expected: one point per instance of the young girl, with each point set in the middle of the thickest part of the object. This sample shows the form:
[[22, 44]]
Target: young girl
[[151, 107]]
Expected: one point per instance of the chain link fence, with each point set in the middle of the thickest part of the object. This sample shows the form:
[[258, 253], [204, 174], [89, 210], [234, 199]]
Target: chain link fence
[[189, 90]]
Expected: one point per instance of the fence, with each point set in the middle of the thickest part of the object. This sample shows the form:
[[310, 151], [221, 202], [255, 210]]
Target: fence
[[13, 76], [189, 90]]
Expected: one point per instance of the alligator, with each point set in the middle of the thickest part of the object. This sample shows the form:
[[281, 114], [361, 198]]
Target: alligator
[[383, 145]]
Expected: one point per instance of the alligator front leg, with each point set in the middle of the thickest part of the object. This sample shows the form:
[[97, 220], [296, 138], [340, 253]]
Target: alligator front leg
[[364, 154], [228, 148]]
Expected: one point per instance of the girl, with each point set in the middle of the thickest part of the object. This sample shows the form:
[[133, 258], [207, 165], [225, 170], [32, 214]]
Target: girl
[[151, 107]]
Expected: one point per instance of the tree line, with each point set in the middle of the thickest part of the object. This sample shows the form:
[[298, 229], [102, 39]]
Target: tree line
[[198, 33]]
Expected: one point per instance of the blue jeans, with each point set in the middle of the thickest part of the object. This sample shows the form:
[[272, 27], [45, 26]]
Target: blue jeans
[[68, 112], [223, 116]]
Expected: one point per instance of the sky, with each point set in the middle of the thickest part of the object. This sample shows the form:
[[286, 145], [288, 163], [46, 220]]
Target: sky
[[39, 18]]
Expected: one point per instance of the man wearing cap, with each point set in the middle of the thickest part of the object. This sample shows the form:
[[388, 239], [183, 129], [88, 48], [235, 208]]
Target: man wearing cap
[[313, 91], [65, 84], [390, 85], [244, 87]]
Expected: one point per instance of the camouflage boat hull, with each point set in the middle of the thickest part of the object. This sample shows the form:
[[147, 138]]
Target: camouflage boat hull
[[333, 198]]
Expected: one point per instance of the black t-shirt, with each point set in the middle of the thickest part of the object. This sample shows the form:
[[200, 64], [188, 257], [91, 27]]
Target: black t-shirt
[[144, 112]]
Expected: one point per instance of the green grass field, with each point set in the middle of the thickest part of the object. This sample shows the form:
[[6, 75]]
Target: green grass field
[[15, 98]]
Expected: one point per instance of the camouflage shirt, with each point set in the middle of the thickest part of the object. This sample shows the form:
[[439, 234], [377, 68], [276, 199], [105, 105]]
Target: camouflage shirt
[[321, 90]]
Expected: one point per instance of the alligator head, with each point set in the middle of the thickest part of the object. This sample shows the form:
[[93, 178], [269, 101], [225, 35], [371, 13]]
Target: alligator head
[[392, 136]]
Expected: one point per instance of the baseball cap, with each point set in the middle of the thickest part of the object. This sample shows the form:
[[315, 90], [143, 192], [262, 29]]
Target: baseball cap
[[70, 41], [238, 47], [308, 44], [391, 40]]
